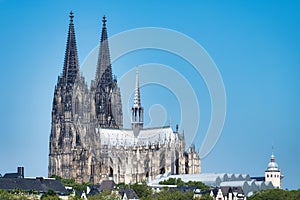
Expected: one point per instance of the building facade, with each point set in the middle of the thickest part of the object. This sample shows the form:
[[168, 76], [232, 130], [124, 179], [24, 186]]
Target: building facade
[[273, 173], [87, 139]]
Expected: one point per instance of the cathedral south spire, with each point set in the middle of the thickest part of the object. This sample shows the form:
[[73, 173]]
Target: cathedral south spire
[[71, 66], [104, 71], [137, 110], [106, 91]]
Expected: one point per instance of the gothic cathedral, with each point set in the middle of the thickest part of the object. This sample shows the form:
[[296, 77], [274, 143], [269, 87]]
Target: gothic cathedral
[[88, 141]]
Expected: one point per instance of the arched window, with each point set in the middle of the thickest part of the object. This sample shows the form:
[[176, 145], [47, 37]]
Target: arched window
[[111, 172], [177, 166]]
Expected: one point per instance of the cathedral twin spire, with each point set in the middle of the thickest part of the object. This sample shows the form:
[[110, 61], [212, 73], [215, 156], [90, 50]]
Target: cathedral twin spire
[[71, 66], [104, 81], [104, 71], [104, 91]]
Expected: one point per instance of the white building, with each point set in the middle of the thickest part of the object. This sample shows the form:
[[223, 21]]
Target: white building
[[273, 173], [217, 180]]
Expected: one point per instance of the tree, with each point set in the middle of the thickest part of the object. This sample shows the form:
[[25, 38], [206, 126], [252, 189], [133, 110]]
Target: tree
[[122, 185], [199, 184], [206, 197], [102, 196], [141, 190], [276, 194], [50, 195], [74, 198], [179, 182], [5, 195], [173, 181], [173, 195]]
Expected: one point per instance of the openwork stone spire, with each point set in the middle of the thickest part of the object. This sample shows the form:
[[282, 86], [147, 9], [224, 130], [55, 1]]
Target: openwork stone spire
[[137, 98], [104, 65], [137, 110], [71, 66]]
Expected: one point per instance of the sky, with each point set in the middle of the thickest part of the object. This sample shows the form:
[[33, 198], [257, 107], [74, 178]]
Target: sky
[[254, 45]]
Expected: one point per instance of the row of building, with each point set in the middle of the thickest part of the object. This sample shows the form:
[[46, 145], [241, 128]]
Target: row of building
[[223, 186]]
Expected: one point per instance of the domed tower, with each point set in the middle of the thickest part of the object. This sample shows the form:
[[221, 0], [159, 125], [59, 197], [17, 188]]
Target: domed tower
[[273, 173]]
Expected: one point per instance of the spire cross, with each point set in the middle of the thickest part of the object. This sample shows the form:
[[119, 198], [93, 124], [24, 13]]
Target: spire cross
[[104, 20], [71, 16]]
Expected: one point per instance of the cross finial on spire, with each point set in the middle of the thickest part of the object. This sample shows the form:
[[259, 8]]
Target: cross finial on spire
[[104, 20], [71, 16]]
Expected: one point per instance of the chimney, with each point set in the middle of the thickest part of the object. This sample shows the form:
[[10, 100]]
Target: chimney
[[21, 172]]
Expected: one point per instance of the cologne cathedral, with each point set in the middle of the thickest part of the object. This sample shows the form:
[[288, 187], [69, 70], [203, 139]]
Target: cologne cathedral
[[88, 141]]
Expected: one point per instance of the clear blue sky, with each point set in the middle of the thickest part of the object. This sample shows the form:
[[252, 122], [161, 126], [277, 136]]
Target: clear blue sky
[[255, 45]]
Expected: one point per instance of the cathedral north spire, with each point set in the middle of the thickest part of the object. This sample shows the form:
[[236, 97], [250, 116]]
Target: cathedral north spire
[[71, 66], [104, 65]]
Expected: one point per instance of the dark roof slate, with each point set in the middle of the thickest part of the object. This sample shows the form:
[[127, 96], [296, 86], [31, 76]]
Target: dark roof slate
[[239, 190], [130, 193], [93, 192], [107, 185], [187, 188], [11, 175], [215, 191], [39, 184], [226, 190]]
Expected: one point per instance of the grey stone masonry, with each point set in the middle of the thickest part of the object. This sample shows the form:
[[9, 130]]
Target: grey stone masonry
[[87, 139]]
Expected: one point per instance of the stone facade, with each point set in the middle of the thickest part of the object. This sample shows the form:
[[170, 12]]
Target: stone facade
[[87, 141]]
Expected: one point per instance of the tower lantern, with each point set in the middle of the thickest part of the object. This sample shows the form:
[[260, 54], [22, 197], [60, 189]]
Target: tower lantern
[[273, 173]]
